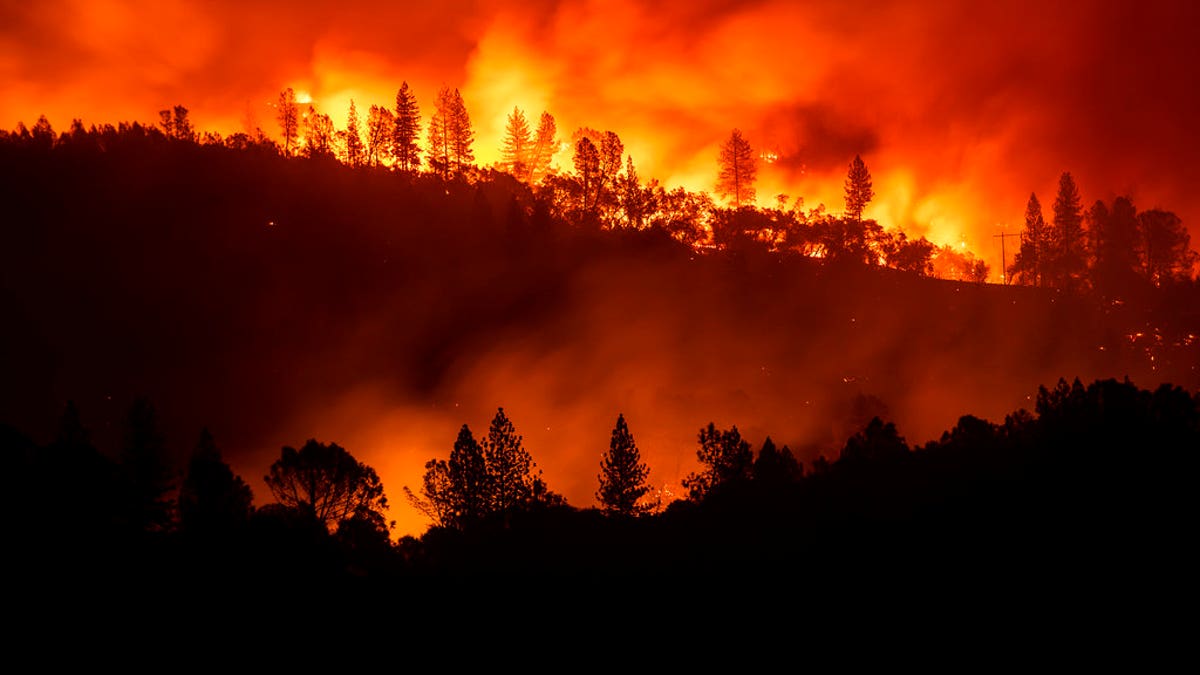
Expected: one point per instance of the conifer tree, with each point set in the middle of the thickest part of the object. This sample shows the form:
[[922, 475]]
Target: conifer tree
[[440, 133], [517, 152], [738, 170], [212, 499], [355, 152], [859, 191], [545, 146], [407, 130], [1068, 259], [509, 465], [623, 475], [470, 484], [1030, 263], [288, 116], [462, 136]]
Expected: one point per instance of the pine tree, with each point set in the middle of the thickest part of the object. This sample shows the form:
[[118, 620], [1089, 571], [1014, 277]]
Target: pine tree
[[470, 485], [1030, 262], [517, 152], [440, 133], [1068, 260], [509, 465], [212, 500], [859, 192], [545, 146], [462, 137], [288, 116], [726, 458], [738, 170], [407, 130], [355, 152], [623, 475], [587, 172]]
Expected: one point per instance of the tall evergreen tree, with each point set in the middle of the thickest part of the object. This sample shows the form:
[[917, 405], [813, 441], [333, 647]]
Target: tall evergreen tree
[[859, 191], [545, 146], [623, 475], [510, 466], [470, 483], [738, 170], [212, 499], [1068, 261], [440, 133], [407, 131], [1030, 262], [288, 116], [776, 466], [462, 136], [517, 152], [355, 152]]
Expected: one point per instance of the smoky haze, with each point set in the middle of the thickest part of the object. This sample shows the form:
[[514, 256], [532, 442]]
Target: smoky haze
[[277, 300], [960, 109]]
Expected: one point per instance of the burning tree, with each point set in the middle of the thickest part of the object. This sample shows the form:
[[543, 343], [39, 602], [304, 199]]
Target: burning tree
[[738, 170]]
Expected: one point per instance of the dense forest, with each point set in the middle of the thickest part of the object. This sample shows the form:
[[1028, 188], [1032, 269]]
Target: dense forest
[[238, 281]]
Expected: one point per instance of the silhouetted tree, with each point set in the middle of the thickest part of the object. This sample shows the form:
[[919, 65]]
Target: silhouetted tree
[[636, 202], [355, 152], [738, 170], [509, 465], [326, 480], [587, 174], [1029, 265], [380, 127], [288, 116], [145, 468], [878, 441], [859, 192], [910, 255], [623, 475], [1167, 247], [42, 135], [318, 134], [517, 151], [1115, 246], [726, 458], [545, 146], [212, 499], [462, 136], [776, 466], [407, 131], [1068, 260], [176, 125], [442, 133]]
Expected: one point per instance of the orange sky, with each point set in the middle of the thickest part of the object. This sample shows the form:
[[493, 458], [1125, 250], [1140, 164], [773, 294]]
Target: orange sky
[[960, 109]]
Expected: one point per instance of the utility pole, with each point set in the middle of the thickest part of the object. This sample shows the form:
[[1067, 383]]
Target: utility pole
[[1003, 258]]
